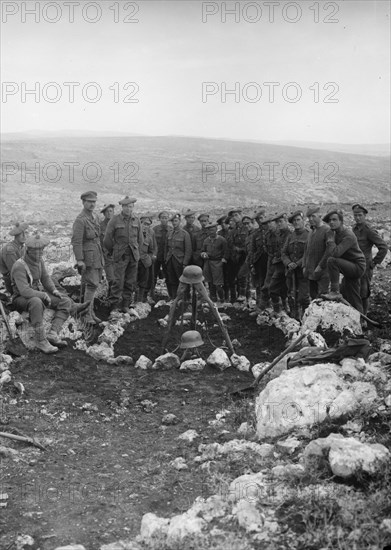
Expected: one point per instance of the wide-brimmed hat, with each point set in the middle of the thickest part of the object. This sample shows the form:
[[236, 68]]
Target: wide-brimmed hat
[[294, 214], [312, 210], [127, 200], [37, 241], [18, 228], [339, 213], [106, 206]]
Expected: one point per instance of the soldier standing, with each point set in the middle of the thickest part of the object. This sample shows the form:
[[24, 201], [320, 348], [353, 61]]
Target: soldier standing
[[215, 256], [367, 237], [292, 255], [123, 238], [178, 254], [161, 231], [278, 289], [189, 226], [237, 255], [223, 221], [88, 251], [315, 254], [198, 238], [148, 251], [11, 252], [108, 212], [258, 256]]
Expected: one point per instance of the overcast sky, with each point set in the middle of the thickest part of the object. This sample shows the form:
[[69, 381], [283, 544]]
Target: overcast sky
[[170, 52]]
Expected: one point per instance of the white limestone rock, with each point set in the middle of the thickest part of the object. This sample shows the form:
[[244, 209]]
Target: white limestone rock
[[152, 525], [194, 365], [101, 352], [219, 359], [184, 525], [347, 457], [240, 362], [245, 429], [213, 507], [322, 316], [297, 398], [248, 516], [288, 471], [121, 545], [288, 446], [189, 436], [166, 362], [179, 463], [143, 363], [237, 447]]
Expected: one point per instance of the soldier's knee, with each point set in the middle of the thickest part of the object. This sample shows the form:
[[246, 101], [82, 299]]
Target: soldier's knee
[[35, 303], [65, 303], [331, 262]]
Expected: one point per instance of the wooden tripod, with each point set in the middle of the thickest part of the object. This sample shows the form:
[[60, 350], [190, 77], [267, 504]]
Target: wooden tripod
[[198, 290]]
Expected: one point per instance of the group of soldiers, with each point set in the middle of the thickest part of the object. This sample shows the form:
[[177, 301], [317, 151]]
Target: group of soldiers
[[287, 259]]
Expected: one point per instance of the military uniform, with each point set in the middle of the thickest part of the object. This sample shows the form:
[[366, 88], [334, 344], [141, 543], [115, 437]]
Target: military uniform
[[237, 256], [107, 258], [148, 251], [33, 289], [346, 257], [315, 256], [197, 242], [258, 258], [178, 255], [86, 248], [123, 238], [161, 233], [10, 252], [367, 237], [217, 249], [277, 287], [293, 252]]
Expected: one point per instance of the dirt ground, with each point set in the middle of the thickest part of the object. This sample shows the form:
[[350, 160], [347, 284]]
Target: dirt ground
[[108, 456], [108, 460]]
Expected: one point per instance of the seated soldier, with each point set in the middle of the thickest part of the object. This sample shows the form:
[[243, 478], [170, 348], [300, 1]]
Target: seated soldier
[[346, 257], [28, 276], [11, 252]]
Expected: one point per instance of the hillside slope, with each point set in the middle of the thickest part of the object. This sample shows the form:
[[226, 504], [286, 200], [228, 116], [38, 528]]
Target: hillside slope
[[171, 172]]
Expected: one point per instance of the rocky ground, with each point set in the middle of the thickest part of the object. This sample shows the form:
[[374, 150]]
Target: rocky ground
[[163, 458]]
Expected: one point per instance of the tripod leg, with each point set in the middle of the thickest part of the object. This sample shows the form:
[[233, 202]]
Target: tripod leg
[[194, 309], [204, 295], [180, 293]]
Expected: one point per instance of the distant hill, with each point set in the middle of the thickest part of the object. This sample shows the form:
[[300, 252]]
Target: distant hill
[[178, 172], [377, 149]]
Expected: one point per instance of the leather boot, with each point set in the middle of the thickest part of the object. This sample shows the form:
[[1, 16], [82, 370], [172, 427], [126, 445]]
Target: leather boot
[[79, 308], [41, 341], [89, 318], [233, 295], [55, 339], [127, 307]]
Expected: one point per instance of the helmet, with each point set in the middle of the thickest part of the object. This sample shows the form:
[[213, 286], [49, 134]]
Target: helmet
[[191, 339], [191, 274]]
